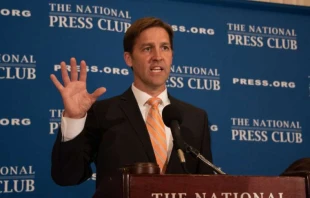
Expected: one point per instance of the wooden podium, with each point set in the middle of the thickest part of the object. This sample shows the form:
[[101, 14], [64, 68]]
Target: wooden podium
[[133, 185]]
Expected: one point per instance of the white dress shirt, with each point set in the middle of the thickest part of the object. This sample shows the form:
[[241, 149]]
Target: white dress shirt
[[73, 127]]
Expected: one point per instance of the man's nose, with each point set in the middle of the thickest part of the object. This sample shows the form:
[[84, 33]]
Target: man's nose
[[157, 55]]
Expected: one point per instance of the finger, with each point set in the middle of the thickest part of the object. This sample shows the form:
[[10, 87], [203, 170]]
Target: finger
[[64, 73], [98, 92], [83, 74], [74, 73], [57, 84]]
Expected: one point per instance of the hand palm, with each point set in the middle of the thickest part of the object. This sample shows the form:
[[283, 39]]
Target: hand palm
[[76, 98], [77, 101]]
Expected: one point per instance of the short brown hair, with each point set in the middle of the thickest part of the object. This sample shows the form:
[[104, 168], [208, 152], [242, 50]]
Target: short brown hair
[[139, 26]]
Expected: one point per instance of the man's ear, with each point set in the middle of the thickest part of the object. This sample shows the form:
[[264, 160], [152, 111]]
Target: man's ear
[[128, 59]]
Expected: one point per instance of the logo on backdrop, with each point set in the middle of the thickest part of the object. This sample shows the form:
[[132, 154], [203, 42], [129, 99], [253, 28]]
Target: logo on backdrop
[[17, 67], [17, 179], [260, 36], [93, 177], [88, 17], [194, 77], [193, 30], [55, 120], [15, 122], [214, 128], [98, 69], [15, 12], [264, 83], [266, 130]]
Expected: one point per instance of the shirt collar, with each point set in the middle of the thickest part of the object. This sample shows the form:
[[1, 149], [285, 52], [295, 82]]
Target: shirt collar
[[142, 97]]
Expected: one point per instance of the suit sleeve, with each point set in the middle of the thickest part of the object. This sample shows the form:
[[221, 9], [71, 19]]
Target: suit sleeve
[[205, 149], [71, 160]]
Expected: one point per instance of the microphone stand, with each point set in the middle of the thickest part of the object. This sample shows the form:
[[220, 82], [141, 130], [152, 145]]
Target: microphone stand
[[182, 159], [195, 152]]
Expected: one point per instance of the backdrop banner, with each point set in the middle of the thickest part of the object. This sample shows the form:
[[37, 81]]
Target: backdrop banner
[[245, 64]]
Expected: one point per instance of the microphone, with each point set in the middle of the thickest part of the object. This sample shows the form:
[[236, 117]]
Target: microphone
[[172, 118]]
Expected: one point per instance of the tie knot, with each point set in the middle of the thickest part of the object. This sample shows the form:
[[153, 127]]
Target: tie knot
[[154, 102]]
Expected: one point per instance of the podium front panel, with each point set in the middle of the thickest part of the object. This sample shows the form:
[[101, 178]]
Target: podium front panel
[[186, 186]]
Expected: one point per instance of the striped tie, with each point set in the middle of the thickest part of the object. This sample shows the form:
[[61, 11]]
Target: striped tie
[[156, 129]]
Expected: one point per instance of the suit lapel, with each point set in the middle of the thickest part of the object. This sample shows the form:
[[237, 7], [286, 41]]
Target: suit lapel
[[131, 109], [175, 101]]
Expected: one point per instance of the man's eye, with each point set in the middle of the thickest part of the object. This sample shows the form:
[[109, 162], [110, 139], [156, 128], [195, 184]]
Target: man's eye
[[147, 49], [166, 48]]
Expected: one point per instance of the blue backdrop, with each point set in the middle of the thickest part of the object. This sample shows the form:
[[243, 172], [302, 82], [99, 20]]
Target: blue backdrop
[[245, 63]]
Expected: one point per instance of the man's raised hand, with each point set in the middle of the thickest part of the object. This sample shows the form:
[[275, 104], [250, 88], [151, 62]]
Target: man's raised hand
[[77, 101]]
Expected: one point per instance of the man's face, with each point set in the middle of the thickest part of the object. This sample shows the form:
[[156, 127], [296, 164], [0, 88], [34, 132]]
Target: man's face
[[151, 59]]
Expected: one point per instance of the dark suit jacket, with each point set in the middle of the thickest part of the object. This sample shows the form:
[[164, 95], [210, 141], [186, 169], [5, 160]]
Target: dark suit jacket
[[115, 135]]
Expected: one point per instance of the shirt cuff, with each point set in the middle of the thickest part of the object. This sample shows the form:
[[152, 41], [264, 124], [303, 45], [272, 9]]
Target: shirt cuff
[[71, 127]]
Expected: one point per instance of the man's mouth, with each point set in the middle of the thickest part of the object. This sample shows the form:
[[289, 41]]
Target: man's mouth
[[157, 69]]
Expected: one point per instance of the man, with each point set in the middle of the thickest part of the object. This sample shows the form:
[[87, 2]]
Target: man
[[119, 131]]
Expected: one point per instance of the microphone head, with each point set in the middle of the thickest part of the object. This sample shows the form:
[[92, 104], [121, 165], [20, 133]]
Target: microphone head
[[171, 112]]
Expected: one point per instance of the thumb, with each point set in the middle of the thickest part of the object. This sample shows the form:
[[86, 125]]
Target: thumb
[[98, 92]]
